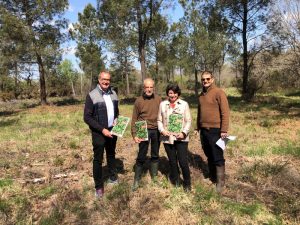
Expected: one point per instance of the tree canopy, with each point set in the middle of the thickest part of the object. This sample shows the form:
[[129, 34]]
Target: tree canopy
[[256, 41]]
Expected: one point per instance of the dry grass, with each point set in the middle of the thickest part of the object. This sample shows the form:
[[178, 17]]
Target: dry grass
[[53, 143]]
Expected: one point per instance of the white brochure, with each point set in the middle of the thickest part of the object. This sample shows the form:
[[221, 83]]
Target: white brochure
[[222, 142]]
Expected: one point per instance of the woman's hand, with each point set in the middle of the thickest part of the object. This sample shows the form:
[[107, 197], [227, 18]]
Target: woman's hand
[[165, 133], [180, 136]]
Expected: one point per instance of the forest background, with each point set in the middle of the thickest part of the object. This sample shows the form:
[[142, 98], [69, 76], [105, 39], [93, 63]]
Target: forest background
[[252, 47]]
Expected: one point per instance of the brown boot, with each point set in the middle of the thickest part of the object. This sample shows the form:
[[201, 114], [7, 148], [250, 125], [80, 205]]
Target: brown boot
[[220, 179]]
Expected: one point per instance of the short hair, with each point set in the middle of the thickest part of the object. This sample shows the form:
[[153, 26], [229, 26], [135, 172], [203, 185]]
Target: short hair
[[103, 72], [207, 72], [174, 87], [148, 79]]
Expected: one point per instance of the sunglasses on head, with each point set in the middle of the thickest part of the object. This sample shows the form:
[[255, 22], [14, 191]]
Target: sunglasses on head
[[206, 79]]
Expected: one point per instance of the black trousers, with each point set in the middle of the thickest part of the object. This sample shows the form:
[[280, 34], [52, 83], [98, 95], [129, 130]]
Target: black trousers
[[213, 152], [100, 142], [153, 138], [178, 153]]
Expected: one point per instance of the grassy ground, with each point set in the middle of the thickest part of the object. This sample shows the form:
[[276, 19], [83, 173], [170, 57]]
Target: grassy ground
[[46, 178]]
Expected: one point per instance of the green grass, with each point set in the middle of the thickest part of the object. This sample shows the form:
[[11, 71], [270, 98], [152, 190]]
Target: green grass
[[119, 191], [47, 192], [260, 150], [5, 207], [56, 217], [241, 209], [57, 138], [289, 148], [260, 170], [58, 160], [286, 204], [5, 183]]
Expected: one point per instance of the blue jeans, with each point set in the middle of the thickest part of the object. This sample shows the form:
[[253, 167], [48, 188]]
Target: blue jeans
[[178, 153], [213, 152], [153, 137], [100, 142]]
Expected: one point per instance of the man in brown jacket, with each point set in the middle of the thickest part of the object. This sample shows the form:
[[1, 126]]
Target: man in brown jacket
[[213, 123], [146, 109]]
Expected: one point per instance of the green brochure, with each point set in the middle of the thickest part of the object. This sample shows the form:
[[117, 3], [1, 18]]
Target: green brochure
[[175, 123], [141, 130], [120, 127]]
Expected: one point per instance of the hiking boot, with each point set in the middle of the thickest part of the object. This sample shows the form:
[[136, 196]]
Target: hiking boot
[[137, 177], [99, 193], [187, 188], [154, 171]]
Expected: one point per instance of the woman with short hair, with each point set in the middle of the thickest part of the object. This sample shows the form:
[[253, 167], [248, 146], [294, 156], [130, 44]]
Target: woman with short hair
[[175, 135]]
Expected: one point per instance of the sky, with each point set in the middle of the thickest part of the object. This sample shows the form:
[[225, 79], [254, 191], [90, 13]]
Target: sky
[[76, 6]]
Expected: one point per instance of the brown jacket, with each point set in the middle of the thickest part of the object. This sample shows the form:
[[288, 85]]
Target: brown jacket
[[145, 108], [213, 109]]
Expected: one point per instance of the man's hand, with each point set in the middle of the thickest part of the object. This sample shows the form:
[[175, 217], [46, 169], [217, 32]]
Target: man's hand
[[224, 135], [115, 122], [106, 133], [137, 140]]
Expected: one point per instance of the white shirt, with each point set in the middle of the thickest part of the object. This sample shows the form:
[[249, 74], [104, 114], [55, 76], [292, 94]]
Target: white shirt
[[109, 108]]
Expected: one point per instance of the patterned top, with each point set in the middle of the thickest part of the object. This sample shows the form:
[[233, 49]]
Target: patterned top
[[165, 110]]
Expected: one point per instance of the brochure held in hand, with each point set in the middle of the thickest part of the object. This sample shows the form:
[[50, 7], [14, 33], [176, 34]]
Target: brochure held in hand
[[120, 127], [175, 124], [141, 130]]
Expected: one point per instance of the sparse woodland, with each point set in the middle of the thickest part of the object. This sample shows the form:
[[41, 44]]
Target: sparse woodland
[[253, 49]]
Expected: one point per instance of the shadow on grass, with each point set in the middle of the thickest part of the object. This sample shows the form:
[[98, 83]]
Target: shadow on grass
[[67, 101], [128, 101], [8, 113], [197, 162], [293, 94], [29, 105], [119, 168], [163, 166], [280, 104], [8, 122]]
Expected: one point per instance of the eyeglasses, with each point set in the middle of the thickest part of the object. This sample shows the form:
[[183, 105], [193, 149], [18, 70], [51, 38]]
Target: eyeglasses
[[206, 79]]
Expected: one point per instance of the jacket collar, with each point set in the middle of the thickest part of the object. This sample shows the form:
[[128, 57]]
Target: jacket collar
[[177, 102], [204, 92], [147, 97], [107, 92]]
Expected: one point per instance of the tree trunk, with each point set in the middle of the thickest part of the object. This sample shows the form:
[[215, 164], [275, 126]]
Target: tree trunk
[[43, 94], [92, 85], [16, 88], [180, 72], [143, 62], [73, 90], [142, 40], [219, 76], [156, 62], [196, 81], [126, 74], [245, 52], [81, 84]]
